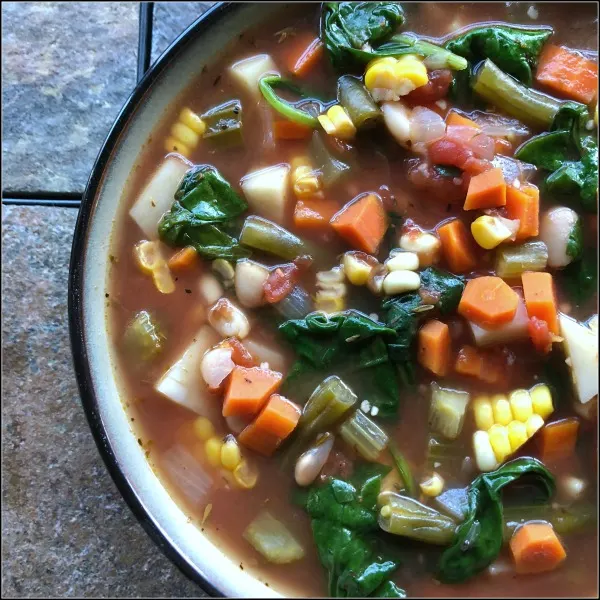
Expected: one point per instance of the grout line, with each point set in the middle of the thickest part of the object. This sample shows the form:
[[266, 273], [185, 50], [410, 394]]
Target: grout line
[[41, 202], [145, 38]]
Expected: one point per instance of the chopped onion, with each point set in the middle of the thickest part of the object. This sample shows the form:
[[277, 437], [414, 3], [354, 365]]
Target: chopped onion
[[461, 133], [499, 126], [512, 225], [426, 125], [186, 473], [482, 146], [513, 169], [236, 424]]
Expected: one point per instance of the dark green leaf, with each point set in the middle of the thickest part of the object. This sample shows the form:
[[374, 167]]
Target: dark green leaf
[[547, 150], [389, 590], [448, 171], [448, 288], [580, 278], [478, 538], [575, 241]]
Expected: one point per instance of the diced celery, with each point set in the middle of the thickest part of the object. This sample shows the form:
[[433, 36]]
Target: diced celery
[[273, 540], [365, 436], [445, 457], [143, 337], [512, 261], [224, 123], [447, 411], [265, 235], [296, 305]]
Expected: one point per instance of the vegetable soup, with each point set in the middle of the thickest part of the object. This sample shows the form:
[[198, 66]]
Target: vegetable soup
[[353, 300]]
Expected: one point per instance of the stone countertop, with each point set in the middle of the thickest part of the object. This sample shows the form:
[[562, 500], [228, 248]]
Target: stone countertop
[[66, 532]]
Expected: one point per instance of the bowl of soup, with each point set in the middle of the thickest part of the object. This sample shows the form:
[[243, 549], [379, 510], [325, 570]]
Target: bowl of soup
[[333, 300]]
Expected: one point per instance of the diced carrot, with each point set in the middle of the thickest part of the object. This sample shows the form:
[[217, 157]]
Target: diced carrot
[[306, 60], [362, 223], [248, 390], [184, 259], [486, 190], [314, 214], [557, 440], [275, 422], [536, 548], [288, 130], [457, 246], [540, 299], [483, 365], [540, 335], [455, 118], [524, 204], [568, 73], [435, 347], [488, 302], [239, 355]]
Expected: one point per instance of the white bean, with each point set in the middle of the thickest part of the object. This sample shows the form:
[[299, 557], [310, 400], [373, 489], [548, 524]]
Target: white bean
[[555, 228], [403, 261], [398, 282], [250, 278], [310, 464], [397, 119], [210, 289], [228, 319]]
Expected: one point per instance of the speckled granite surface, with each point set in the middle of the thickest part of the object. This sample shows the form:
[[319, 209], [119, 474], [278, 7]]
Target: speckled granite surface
[[67, 69], [66, 531]]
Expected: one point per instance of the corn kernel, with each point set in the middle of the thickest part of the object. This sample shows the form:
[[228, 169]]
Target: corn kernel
[[534, 423], [184, 134], [541, 399], [306, 182], [489, 231], [432, 486], [357, 271], [231, 456], [245, 475], [502, 412], [517, 434], [498, 435], [192, 120], [483, 412], [212, 449], [329, 302], [337, 123], [300, 161], [484, 453], [380, 73], [412, 68], [203, 428], [174, 145], [520, 402], [327, 124], [150, 260]]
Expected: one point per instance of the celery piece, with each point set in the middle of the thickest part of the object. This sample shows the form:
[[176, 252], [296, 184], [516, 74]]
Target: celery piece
[[331, 168], [365, 436], [447, 411], [507, 94], [273, 540], [512, 261], [143, 337], [224, 123], [400, 515], [357, 101], [296, 305], [262, 234]]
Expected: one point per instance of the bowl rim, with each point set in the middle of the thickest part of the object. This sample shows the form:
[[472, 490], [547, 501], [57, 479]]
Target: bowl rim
[[79, 353]]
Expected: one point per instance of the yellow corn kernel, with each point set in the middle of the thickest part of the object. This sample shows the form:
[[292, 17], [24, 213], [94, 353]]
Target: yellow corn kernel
[[483, 413], [245, 475], [484, 453], [357, 271], [534, 423], [329, 301], [517, 434], [203, 428], [300, 161], [520, 402], [411, 67], [212, 449], [192, 120], [380, 73], [174, 145], [306, 182], [489, 231], [498, 435], [231, 455], [342, 122], [541, 400], [502, 412], [150, 260], [432, 486], [184, 134], [327, 124]]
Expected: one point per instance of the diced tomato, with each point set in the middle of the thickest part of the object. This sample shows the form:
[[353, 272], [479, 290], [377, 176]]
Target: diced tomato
[[540, 335], [435, 89], [239, 355], [474, 165], [280, 283], [446, 151], [441, 187]]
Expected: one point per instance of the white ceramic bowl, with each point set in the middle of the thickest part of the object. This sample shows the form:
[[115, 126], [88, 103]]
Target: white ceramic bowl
[[102, 205]]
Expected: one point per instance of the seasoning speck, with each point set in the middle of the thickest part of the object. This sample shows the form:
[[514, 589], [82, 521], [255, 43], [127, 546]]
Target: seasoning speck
[[532, 12], [188, 291], [106, 295]]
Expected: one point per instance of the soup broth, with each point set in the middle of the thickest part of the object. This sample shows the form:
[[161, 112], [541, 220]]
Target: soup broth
[[160, 306]]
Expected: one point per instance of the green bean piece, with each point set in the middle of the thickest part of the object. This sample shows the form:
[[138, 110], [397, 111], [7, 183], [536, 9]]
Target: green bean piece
[[365, 436], [507, 94], [224, 124], [357, 101], [403, 469], [331, 168], [262, 234], [287, 109]]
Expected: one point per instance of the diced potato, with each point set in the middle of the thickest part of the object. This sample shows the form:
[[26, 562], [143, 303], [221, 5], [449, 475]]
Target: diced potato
[[247, 72], [514, 331], [266, 191]]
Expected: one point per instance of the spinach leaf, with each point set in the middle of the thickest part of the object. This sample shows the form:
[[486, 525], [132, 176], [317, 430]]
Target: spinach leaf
[[547, 151], [348, 343], [580, 278], [478, 539], [575, 241], [349, 542], [350, 29], [204, 205], [515, 51], [446, 286]]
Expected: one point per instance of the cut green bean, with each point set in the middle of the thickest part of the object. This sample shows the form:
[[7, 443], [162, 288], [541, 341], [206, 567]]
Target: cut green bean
[[403, 469], [331, 168], [224, 124], [143, 337], [273, 540], [400, 515], [262, 234], [357, 101], [507, 94], [365, 436], [513, 261]]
